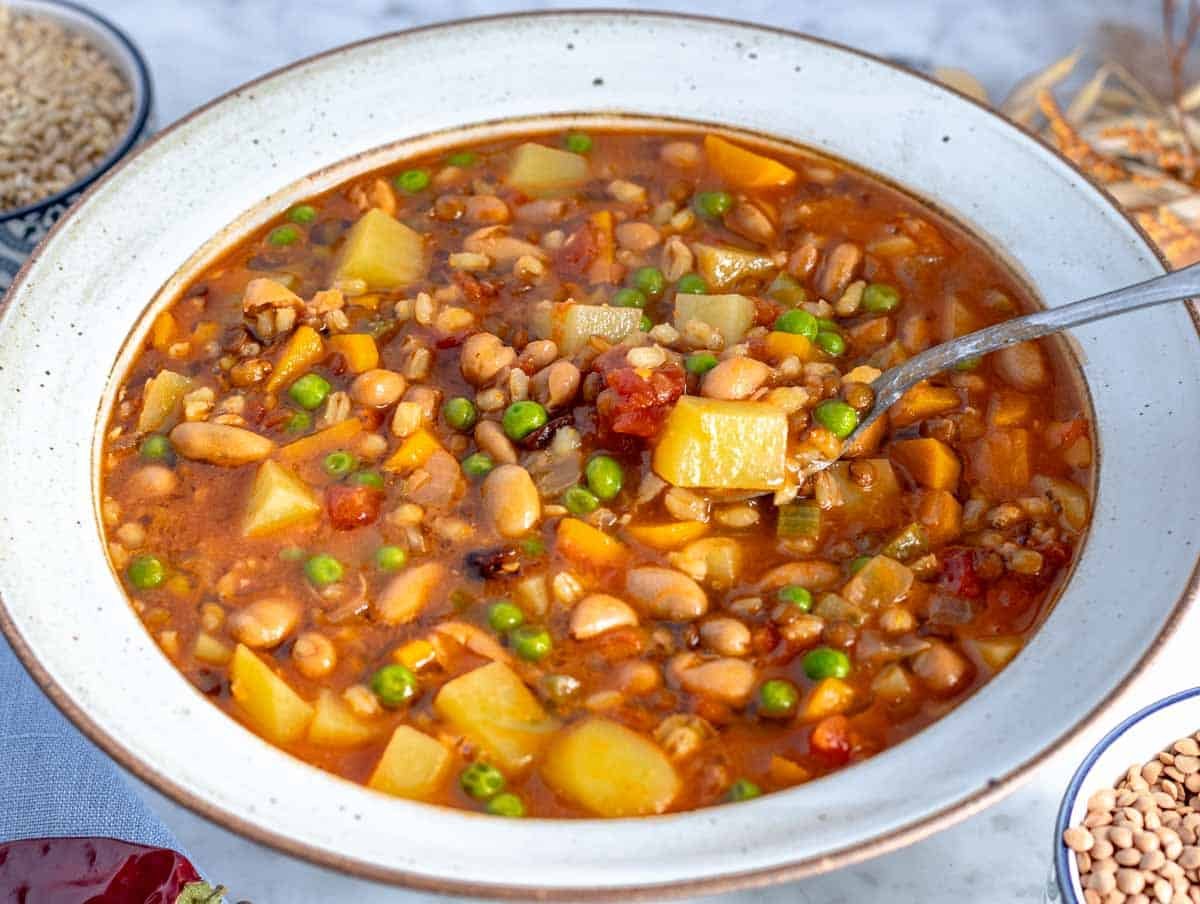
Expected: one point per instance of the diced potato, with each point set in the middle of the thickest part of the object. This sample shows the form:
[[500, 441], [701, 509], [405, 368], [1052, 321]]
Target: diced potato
[[416, 449], [1002, 464], [334, 724], [958, 319], [892, 684], [304, 349], [382, 252], [610, 770], [322, 441], [873, 507], [724, 267], [264, 292], [779, 345], [729, 315], [830, 697], [787, 772], [941, 514], [278, 499], [586, 545], [494, 709], [270, 705], [745, 169], [1071, 498], [570, 325], [723, 445], [359, 350], [929, 461], [541, 171], [161, 400], [668, 536], [413, 765], [997, 652], [923, 401], [881, 582], [211, 650]]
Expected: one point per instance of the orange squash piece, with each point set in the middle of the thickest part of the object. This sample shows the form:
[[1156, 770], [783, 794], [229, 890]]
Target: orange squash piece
[[1002, 464], [585, 545], [780, 345], [359, 350], [322, 441], [929, 461], [923, 401], [304, 349], [1010, 409], [162, 331], [941, 516], [413, 452], [830, 697], [668, 536], [741, 168]]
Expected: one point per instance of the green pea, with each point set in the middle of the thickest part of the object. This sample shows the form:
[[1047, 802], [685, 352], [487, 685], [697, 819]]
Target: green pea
[[323, 570], [283, 235], [799, 322], [650, 281], [826, 662], [742, 789], [797, 596], [413, 181], [629, 298], [604, 476], [478, 464], [786, 288], [580, 501], [505, 616], [298, 422], [302, 213], [777, 698], [460, 414], [533, 546], [339, 463], [831, 343], [531, 643], [394, 685], [856, 565], [837, 417], [968, 364], [700, 362], [291, 554], [155, 448], [391, 558], [522, 418], [645, 324], [826, 325], [578, 142], [506, 804], [691, 284], [712, 204], [310, 391], [482, 781], [879, 298], [367, 479], [463, 158], [146, 572]]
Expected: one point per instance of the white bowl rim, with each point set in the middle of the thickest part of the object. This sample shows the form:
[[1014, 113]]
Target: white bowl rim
[[1062, 854], [880, 844]]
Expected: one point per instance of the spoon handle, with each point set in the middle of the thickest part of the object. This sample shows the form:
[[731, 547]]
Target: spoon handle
[[893, 383]]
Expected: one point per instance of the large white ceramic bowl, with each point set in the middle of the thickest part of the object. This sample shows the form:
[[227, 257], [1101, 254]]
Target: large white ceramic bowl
[[70, 312]]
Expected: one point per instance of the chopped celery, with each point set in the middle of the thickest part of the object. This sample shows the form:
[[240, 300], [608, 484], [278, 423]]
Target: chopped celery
[[911, 543], [799, 519]]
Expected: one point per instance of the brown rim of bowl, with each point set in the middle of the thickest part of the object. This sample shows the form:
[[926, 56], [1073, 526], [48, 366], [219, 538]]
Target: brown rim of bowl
[[873, 847]]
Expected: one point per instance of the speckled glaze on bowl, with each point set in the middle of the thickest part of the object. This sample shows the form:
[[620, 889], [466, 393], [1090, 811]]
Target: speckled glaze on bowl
[[21, 228], [124, 246]]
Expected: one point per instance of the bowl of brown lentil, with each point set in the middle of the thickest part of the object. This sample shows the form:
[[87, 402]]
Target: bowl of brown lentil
[[1128, 829], [78, 98]]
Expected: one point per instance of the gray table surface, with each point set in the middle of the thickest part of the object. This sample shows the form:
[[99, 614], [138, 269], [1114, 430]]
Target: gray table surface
[[198, 50]]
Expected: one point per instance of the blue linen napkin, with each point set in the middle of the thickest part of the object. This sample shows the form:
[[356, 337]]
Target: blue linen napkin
[[53, 781]]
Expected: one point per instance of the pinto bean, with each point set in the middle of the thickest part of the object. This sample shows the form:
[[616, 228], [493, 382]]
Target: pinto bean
[[814, 574], [556, 385], [483, 356], [942, 669], [666, 593], [266, 622], [597, 613], [637, 236], [727, 680], [153, 481], [378, 388], [314, 655], [220, 444], [735, 378], [408, 593], [511, 501], [726, 636], [749, 222], [490, 438], [841, 266]]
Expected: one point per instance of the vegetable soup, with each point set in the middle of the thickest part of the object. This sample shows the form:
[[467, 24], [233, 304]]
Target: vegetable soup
[[480, 479]]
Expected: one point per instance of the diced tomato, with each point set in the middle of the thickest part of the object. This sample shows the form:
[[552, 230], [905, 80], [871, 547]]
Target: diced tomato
[[636, 403], [578, 251], [958, 573], [830, 740], [766, 312], [475, 290], [1011, 596], [618, 644], [350, 507]]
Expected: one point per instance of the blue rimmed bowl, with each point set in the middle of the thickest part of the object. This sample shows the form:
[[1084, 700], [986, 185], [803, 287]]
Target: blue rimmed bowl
[[1136, 740], [21, 228]]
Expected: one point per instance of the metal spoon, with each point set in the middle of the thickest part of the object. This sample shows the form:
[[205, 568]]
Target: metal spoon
[[1178, 285]]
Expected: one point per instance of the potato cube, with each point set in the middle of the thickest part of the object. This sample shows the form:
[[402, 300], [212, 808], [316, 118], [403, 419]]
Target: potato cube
[[610, 770], [382, 252], [269, 704], [729, 315], [723, 445], [724, 267], [881, 582], [571, 325], [872, 507], [541, 171], [335, 725], [494, 709], [278, 499], [413, 765], [161, 400]]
